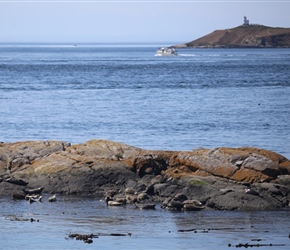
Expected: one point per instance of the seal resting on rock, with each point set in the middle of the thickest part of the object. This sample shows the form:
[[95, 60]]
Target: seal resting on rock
[[111, 202], [17, 196], [33, 198], [15, 181], [251, 191], [145, 205], [52, 198], [33, 191], [192, 205], [174, 204]]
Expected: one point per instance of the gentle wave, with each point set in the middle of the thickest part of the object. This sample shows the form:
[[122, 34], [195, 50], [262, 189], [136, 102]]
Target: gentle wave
[[76, 94]]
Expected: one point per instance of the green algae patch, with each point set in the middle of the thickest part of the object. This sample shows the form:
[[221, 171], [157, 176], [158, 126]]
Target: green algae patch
[[197, 182]]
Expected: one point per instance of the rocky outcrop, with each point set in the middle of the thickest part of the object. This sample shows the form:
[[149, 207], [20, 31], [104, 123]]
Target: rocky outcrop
[[241, 164], [221, 178], [244, 36]]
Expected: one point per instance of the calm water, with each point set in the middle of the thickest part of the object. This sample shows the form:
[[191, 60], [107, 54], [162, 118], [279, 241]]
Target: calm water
[[201, 98], [154, 229]]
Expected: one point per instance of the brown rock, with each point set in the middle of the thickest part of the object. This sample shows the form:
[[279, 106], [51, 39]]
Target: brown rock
[[249, 175], [243, 36], [99, 166], [239, 164], [150, 164]]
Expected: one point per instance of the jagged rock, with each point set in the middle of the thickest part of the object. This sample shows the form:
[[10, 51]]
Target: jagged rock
[[239, 164], [15, 155], [217, 178], [150, 164], [238, 200], [160, 188]]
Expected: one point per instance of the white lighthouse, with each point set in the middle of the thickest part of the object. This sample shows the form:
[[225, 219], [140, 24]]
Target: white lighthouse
[[246, 21]]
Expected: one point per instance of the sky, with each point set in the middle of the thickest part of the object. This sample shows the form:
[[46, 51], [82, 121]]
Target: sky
[[135, 21]]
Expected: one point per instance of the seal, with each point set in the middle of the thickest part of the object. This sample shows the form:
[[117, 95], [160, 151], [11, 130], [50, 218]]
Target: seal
[[52, 198], [33, 191], [15, 181], [111, 202], [192, 205], [251, 191], [145, 205], [33, 198], [17, 196]]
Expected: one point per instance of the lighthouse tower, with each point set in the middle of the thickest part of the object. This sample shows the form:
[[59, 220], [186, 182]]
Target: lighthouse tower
[[246, 21]]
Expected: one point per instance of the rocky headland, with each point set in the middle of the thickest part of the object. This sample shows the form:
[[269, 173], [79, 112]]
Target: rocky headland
[[222, 178], [243, 36]]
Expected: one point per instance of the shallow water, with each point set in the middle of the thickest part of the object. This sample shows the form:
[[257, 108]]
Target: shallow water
[[150, 229]]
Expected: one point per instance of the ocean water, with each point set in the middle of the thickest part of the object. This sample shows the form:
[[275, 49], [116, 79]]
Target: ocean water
[[150, 229], [201, 98]]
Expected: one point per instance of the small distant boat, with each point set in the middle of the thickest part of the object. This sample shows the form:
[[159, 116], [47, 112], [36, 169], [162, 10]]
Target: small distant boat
[[33, 191], [166, 51]]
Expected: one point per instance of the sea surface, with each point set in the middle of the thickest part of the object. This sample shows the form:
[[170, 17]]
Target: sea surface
[[201, 98], [53, 223]]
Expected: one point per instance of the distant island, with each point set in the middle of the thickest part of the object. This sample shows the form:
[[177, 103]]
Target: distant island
[[244, 36]]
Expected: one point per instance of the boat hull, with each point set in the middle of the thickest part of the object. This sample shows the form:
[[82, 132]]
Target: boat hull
[[166, 52]]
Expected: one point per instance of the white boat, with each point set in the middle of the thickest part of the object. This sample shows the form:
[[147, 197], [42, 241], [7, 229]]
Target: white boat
[[166, 51]]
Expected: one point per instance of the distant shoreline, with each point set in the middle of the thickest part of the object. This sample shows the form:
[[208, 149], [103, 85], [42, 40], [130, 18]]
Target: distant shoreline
[[244, 36]]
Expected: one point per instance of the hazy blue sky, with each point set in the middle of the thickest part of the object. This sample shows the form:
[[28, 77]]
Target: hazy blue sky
[[131, 21]]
